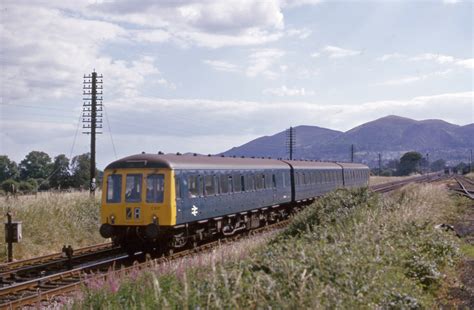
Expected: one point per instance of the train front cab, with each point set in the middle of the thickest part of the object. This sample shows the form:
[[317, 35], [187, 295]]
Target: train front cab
[[138, 202]]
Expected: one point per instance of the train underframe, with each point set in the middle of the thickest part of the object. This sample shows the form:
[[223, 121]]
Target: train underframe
[[165, 240]]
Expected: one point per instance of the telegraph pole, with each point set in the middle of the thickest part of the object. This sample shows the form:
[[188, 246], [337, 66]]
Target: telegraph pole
[[380, 164], [428, 162], [470, 163], [92, 120], [290, 141]]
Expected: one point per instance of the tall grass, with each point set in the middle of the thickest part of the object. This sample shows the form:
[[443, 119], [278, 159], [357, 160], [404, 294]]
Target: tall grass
[[51, 220], [348, 250]]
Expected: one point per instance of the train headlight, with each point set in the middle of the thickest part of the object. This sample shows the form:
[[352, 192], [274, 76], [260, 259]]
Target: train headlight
[[112, 219], [155, 219]]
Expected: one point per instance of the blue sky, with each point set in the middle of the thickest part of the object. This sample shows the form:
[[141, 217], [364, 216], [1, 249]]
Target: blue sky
[[204, 76]]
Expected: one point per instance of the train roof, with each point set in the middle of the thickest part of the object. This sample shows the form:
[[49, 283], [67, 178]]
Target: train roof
[[172, 161], [195, 162]]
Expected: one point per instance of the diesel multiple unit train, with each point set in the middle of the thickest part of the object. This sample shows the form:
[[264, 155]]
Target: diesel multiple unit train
[[156, 202]]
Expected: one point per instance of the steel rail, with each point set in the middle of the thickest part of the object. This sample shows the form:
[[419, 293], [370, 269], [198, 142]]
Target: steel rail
[[51, 257], [26, 273], [463, 188]]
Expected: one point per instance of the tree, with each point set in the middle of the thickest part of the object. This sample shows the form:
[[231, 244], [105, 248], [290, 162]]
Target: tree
[[80, 170], [36, 165], [8, 169], [409, 163], [462, 167], [61, 177], [438, 165]]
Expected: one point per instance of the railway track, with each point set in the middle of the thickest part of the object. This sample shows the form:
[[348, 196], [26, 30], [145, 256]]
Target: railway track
[[427, 178], [39, 279], [44, 288], [463, 186], [24, 271], [53, 258]]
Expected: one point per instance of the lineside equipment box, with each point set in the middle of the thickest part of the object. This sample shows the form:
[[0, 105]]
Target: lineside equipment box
[[16, 232]]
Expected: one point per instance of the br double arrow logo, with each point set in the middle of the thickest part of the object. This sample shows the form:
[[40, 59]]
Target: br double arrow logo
[[194, 210]]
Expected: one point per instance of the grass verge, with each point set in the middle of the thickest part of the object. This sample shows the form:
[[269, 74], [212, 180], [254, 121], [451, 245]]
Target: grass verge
[[351, 249], [51, 220]]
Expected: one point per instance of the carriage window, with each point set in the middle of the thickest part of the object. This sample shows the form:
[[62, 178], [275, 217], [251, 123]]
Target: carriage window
[[230, 185], [250, 182], [193, 186], [274, 181], [133, 190], [114, 187], [307, 178], [224, 184], [259, 181], [237, 183], [209, 185], [217, 188], [177, 187], [242, 182], [155, 184]]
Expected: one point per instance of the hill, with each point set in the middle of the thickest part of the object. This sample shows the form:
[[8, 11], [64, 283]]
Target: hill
[[391, 136]]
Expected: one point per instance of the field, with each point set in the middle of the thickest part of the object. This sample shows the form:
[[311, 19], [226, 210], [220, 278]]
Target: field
[[51, 220], [348, 250]]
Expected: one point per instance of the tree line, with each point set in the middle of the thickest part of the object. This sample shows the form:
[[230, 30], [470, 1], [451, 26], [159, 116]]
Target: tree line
[[414, 162], [39, 172]]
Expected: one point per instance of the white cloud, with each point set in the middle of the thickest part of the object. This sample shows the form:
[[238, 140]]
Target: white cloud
[[466, 63], [315, 55], [415, 78], [251, 36], [338, 52], [55, 49], [212, 24], [152, 35], [441, 59], [284, 91], [302, 33], [390, 56], [451, 1], [297, 3], [262, 62], [221, 65]]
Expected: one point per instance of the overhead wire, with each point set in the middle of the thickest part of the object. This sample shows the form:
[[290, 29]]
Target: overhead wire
[[110, 130]]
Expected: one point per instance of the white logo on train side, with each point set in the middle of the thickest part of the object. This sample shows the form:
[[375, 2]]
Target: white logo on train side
[[194, 210]]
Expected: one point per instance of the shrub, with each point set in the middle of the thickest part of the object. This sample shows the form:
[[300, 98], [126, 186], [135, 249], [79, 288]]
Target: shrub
[[28, 186], [10, 186]]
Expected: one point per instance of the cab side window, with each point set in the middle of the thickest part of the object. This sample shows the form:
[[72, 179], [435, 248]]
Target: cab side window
[[155, 188]]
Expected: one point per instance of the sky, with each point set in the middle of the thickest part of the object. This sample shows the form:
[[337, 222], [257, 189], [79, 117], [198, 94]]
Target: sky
[[204, 76]]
